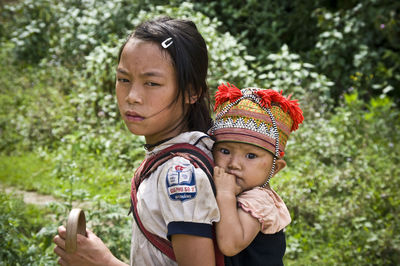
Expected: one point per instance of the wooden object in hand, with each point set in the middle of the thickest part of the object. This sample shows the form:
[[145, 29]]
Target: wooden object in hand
[[76, 224]]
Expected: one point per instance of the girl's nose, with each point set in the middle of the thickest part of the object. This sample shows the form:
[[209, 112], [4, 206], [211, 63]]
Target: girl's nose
[[134, 95]]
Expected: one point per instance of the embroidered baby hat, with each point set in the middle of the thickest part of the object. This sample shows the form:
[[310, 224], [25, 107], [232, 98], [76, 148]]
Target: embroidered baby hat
[[261, 117]]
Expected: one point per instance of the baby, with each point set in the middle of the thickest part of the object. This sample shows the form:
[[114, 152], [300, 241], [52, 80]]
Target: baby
[[251, 129]]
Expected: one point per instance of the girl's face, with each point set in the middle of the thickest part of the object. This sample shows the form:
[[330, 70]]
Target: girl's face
[[250, 164], [147, 92]]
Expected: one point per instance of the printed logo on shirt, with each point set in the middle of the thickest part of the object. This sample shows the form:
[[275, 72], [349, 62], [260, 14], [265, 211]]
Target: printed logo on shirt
[[181, 182]]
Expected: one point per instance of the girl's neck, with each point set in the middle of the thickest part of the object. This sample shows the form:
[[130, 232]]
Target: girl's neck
[[151, 146]]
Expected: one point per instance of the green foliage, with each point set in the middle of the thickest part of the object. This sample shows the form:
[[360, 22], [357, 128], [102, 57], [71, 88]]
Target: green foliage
[[32, 105], [358, 47], [342, 186], [61, 134], [353, 43], [264, 26], [27, 231], [72, 180], [25, 239], [65, 31], [32, 33], [117, 237], [285, 71], [27, 171]]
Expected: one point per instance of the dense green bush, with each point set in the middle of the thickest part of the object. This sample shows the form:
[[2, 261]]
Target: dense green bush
[[341, 186], [358, 47], [286, 71], [33, 107], [65, 31], [118, 235], [26, 235], [59, 120], [264, 26], [355, 44], [27, 231]]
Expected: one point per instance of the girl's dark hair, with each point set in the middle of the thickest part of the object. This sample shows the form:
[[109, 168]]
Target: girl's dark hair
[[190, 59]]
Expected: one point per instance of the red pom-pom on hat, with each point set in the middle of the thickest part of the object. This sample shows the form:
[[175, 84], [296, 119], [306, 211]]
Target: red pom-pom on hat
[[270, 96], [225, 93], [296, 114]]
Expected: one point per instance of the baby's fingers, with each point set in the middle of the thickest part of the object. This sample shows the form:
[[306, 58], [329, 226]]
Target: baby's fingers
[[218, 172]]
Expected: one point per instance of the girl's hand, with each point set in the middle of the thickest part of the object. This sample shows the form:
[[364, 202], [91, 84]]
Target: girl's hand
[[225, 183], [90, 250]]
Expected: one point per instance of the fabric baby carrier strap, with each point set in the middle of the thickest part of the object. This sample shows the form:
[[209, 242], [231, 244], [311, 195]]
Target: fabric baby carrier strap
[[200, 160]]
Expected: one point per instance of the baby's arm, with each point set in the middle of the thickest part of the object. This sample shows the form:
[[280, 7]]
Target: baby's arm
[[236, 228]]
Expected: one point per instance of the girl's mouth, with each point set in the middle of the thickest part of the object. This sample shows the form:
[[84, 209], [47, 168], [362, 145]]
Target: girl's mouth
[[133, 116]]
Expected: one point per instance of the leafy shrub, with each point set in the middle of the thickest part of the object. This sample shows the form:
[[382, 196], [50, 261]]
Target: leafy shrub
[[32, 32], [357, 47], [118, 232], [28, 231], [285, 71], [65, 31], [33, 110], [34, 104], [342, 186], [26, 237], [353, 43], [264, 26]]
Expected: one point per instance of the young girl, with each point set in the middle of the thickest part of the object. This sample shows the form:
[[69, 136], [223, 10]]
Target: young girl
[[162, 94], [251, 129]]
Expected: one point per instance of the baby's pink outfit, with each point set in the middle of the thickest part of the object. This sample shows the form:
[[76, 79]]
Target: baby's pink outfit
[[265, 205]]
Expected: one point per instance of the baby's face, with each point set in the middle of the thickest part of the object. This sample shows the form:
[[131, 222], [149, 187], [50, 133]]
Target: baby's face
[[250, 164]]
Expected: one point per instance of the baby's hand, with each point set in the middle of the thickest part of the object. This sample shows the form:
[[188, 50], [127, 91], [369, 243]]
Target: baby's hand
[[224, 182]]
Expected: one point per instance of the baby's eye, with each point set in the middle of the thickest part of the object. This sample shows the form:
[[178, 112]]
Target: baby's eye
[[224, 151], [251, 156]]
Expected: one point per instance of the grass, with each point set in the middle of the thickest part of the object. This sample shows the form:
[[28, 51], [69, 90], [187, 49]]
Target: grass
[[89, 181], [28, 172]]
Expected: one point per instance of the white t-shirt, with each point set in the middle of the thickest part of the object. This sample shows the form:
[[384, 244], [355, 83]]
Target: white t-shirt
[[175, 198]]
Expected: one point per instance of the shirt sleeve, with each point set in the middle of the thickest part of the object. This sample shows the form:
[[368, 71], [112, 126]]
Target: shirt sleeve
[[266, 206], [187, 202]]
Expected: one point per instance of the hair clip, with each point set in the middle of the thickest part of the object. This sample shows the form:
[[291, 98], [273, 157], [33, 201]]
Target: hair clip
[[166, 44]]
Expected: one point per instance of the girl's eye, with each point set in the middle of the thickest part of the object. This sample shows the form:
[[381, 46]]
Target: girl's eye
[[224, 151], [251, 156], [152, 84], [123, 80]]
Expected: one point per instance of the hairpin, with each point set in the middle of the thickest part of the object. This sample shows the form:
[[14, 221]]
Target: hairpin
[[166, 44]]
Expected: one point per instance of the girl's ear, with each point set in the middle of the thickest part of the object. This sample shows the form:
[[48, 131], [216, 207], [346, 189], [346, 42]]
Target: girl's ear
[[192, 99], [193, 96], [280, 164]]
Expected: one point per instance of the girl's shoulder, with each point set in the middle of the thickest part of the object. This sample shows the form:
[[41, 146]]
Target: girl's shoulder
[[195, 139], [184, 162]]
